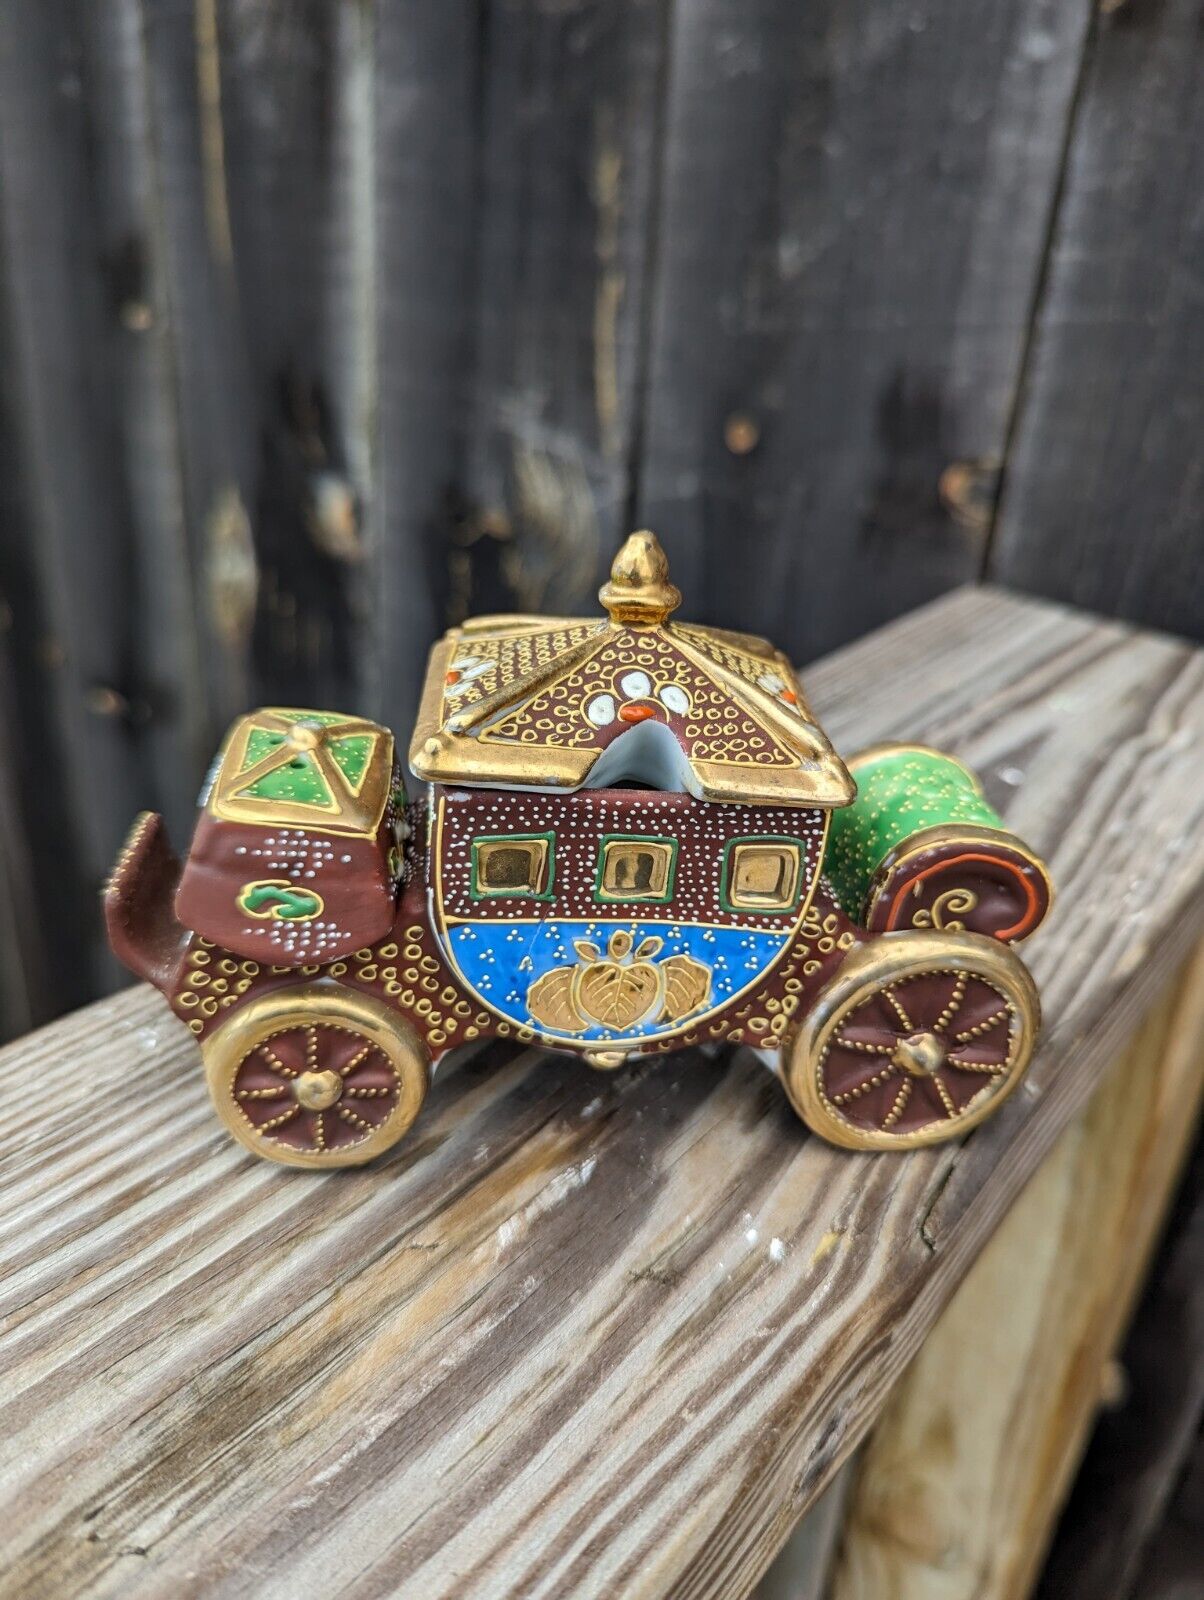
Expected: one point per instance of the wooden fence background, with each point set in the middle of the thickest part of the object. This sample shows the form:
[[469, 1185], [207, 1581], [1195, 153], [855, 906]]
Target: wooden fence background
[[325, 321]]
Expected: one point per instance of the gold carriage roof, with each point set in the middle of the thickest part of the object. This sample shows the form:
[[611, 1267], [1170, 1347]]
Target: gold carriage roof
[[283, 767], [538, 702]]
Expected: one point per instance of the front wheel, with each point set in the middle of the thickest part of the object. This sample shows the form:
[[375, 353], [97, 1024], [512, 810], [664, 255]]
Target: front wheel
[[916, 1039], [316, 1075]]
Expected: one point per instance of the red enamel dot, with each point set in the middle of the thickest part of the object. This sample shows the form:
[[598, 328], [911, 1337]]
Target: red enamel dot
[[790, 697], [633, 713], [452, 677]]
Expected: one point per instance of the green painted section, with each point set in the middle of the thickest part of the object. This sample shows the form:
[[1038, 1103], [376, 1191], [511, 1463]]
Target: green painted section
[[299, 780], [352, 754], [284, 901], [899, 793]]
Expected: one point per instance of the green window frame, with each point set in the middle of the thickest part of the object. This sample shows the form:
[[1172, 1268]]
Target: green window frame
[[545, 856], [783, 906], [657, 894]]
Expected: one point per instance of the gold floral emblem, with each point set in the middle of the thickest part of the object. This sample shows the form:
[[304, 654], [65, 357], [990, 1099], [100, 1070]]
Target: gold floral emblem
[[621, 989]]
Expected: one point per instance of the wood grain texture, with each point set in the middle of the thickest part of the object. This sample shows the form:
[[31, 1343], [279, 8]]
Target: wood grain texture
[[854, 217], [81, 390], [569, 159], [802, 1568], [1103, 484], [1121, 1517], [426, 85], [550, 1346], [961, 1482]]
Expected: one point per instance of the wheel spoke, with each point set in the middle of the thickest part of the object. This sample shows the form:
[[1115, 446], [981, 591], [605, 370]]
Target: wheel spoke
[[991, 1068], [951, 1010], [901, 1099], [980, 1028], [357, 1060], [864, 1087], [358, 1122], [276, 1122], [947, 1099], [863, 1045], [273, 1093], [897, 1006], [274, 1061]]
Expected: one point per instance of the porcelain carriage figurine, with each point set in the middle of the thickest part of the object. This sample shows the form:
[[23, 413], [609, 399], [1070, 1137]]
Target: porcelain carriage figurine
[[629, 836]]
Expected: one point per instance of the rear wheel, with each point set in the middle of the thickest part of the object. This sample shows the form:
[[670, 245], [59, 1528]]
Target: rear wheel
[[316, 1076], [917, 1038]]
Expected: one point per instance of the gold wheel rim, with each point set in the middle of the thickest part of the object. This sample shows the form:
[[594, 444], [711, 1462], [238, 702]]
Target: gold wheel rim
[[316, 1012], [880, 972]]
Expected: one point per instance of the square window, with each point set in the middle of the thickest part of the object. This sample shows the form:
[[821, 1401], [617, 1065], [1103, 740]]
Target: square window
[[762, 875], [513, 864], [633, 868]]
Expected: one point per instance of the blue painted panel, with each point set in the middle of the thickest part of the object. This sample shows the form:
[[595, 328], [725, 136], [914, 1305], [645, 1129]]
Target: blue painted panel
[[501, 960]]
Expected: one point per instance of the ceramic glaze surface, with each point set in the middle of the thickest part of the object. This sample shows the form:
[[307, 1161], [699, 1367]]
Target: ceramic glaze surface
[[583, 963], [620, 851], [503, 966]]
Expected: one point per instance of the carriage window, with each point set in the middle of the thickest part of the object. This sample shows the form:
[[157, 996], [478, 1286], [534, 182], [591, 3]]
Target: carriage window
[[513, 864], [632, 868], [761, 875]]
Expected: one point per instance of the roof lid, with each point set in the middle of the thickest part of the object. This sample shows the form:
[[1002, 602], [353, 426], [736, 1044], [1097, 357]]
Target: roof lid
[[536, 702], [284, 767]]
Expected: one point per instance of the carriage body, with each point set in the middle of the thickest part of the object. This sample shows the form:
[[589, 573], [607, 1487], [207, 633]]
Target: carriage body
[[626, 837]]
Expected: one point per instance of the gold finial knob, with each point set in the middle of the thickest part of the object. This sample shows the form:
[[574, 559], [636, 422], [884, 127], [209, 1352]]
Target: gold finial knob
[[639, 590]]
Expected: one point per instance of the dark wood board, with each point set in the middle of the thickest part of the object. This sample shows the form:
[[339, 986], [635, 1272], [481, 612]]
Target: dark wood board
[[1123, 1498], [1102, 492], [101, 649], [548, 1346], [855, 204], [427, 88], [568, 165]]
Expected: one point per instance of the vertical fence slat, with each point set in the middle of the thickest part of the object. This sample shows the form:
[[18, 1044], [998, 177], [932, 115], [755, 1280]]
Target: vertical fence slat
[[291, 78], [568, 158], [100, 678], [427, 114], [855, 205], [1101, 502]]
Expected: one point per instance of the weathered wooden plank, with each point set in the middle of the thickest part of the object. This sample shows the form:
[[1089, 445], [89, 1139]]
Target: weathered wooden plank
[[1121, 1507], [802, 1568], [296, 119], [961, 1482], [39, 839], [1102, 491], [855, 208], [569, 147], [551, 1345], [104, 654]]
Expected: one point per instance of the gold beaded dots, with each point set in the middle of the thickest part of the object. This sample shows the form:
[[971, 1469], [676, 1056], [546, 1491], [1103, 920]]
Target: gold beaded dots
[[716, 728], [483, 663], [405, 971], [212, 982], [767, 1016]]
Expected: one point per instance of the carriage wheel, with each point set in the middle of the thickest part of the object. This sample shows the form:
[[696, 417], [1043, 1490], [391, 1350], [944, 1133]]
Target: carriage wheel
[[916, 1039], [316, 1076]]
